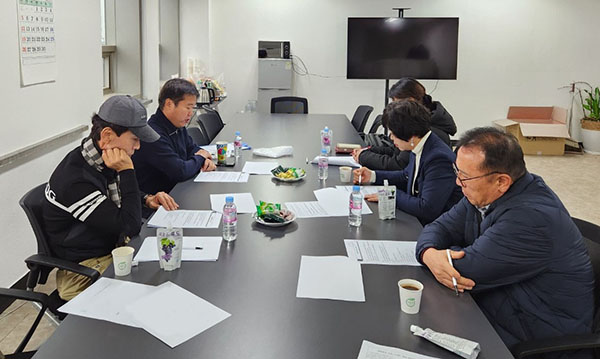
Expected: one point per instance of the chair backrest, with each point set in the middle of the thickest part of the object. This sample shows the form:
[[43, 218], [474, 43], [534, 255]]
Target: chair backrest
[[210, 123], [289, 104], [591, 238], [199, 137], [376, 124], [361, 116], [31, 203]]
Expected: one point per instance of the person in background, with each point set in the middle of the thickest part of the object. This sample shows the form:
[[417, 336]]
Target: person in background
[[390, 157], [513, 244], [175, 157], [426, 186]]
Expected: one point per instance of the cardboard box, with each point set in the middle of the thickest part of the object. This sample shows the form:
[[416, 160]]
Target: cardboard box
[[539, 130]]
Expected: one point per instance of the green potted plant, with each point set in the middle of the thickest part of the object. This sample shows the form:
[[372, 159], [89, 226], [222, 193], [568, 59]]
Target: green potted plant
[[590, 124]]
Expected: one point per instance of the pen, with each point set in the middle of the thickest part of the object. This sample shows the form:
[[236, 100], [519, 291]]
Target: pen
[[360, 178], [194, 248], [453, 279]]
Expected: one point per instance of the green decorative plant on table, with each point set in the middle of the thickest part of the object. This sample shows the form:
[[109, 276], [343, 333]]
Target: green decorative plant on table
[[590, 124]]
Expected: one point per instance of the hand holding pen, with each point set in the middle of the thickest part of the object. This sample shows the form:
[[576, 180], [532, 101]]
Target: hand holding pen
[[440, 263], [453, 279]]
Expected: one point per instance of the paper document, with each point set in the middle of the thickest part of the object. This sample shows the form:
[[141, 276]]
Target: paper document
[[339, 161], [174, 315], [259, 168], [334, 277], [182, 218], [382, 252], [222, 176], [213, 150], [370, 350], [310, 209], [365, 190], [463, 347], [336, 202], [243, 201], [194, 249]]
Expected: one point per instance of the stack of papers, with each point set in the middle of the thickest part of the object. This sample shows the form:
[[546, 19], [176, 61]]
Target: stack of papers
[[338, 161], [169, 312], [222, 176], [244, 202], [194, 249], [370, 350], [331, 202], [382, 252], [334, 277], [365, 190], [259, 168], [182, 218]]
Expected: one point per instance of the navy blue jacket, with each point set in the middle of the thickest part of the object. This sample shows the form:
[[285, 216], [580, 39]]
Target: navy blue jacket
[[160, 165], [435, 189], [533, 277]]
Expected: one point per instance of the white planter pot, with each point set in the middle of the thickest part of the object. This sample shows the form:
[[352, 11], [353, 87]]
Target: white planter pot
[[591, 141]]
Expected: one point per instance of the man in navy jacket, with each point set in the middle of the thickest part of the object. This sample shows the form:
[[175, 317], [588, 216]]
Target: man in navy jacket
[[514, 245], [174, 157]]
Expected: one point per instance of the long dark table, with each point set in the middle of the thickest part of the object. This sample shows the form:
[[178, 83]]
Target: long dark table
[[256, 276]]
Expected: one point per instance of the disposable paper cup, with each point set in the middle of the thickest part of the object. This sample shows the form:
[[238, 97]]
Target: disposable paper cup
[[221, 151], [410, 299], [345, 174], [122, 257]]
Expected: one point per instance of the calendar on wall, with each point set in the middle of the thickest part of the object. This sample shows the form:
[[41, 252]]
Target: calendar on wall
[[37, 41]]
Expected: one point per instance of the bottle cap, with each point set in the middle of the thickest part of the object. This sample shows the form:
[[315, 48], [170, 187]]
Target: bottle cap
[[237, 133], [229, 199], [326, 129], [356, 188], [323, 151]]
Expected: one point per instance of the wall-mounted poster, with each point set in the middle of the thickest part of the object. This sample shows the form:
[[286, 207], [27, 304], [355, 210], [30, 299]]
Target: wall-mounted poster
[[37, 41]]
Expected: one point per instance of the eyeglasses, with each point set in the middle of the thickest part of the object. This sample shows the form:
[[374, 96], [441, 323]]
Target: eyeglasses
[[463, 180]]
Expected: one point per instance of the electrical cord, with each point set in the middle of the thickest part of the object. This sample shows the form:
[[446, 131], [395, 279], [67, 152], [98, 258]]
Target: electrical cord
[[303, 70]]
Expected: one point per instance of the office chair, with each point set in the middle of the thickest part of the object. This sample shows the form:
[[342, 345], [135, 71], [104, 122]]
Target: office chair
[[289, 104], [198, 136], [591, 238], [361, 116], [210, 123], [42, 300], [376, 124], [41, 264]]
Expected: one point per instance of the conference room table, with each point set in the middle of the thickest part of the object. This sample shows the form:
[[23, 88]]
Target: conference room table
[[255, 278]]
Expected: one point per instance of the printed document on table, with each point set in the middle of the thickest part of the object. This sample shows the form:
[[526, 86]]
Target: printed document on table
[[336, 202], [174, 315], [194, 249], [259, 168], [334, 277], [365, 190], [222, 176], [382, 252], [243, 201], [370, 350], [310, 209], [338, 161], [182, 218]]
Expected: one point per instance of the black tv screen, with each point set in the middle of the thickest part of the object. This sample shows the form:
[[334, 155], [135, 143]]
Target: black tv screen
[[391, 48]]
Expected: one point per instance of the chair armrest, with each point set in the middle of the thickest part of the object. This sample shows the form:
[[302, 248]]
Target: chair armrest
[[567, 342], [25, 295], [53, 262]]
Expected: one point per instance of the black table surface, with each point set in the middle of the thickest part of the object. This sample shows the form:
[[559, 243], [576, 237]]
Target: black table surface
[[256, 276]]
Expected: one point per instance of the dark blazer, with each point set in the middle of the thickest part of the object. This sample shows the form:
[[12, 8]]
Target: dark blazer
[[435, 188]]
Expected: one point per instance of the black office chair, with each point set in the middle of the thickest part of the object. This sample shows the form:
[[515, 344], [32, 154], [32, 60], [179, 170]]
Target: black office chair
[[198, 136], [210, 123], [40, 298], [361, 116], [376, 124], [591, 238], [41, 264], [289, 104]]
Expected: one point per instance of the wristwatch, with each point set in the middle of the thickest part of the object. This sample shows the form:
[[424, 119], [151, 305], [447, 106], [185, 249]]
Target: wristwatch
[[145, 199]]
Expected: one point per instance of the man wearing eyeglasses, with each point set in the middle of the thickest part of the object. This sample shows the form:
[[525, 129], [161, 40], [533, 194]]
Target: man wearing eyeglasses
[[513, 245]]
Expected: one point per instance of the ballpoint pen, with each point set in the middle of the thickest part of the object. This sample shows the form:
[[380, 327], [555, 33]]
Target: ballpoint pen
[[453, 279], [194, 248]]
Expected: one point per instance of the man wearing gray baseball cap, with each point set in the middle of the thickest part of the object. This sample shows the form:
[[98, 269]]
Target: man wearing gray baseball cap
[[93, 202]]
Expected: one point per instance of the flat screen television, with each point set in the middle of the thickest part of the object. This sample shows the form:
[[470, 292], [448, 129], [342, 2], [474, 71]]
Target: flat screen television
[[391, 48]]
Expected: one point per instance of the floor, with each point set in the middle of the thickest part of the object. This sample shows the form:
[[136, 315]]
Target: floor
[[574, 178]]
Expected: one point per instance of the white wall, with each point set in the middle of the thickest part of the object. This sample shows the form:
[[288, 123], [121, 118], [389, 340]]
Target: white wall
[[193, 32], [510, 52], [150, 53], [37, 112]]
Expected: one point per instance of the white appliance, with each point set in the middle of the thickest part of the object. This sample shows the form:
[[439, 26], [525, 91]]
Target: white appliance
[[274, 80]]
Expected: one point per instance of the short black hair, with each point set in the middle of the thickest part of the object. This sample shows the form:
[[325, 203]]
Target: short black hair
[[501, 150], [99, 124], [176, 89], [406, 119], [408, 87]]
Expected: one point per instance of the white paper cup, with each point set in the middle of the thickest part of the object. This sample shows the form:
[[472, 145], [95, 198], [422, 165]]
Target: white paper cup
[[122, 257], [410, 299], [345, 174]]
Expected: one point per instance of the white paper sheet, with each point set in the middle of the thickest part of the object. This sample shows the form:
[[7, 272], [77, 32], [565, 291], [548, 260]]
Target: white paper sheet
[[365, 190], [222, 176], [310, 209], [333, 277], [243, 201], [370, 350], [174, 315], [339, 161], [182, 218], [210, 249], [259, 168], [382, 252], [213, 150], [336, 202]]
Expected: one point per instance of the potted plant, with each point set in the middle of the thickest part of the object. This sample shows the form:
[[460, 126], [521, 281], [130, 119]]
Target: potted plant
[[590, 124]]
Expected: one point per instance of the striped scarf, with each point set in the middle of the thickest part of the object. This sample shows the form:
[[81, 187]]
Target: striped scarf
[[93, 158]]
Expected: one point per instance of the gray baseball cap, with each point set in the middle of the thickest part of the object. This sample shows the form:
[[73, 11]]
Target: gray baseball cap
[[126, 111]]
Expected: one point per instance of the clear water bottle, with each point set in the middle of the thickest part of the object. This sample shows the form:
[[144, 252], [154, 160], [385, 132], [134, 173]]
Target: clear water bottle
[[355, 212], [229, 220], [323, 165], [326, 137], [237, 145]]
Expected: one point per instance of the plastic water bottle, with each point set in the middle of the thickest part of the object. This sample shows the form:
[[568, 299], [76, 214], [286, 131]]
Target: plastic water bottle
[[326, 137], [229, 220], [355, 212], [237, 145], [323, 165]]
